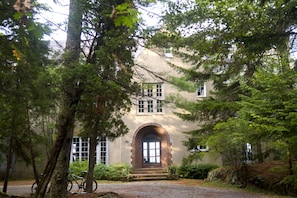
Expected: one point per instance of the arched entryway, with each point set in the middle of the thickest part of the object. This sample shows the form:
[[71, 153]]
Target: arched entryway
[[151, 147]]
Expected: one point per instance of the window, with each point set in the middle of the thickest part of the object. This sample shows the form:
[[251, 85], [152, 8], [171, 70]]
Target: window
[[150, 106], [103, 151], [201, 90], [159, 90], [150, 91], [202, 148], [159, 106], [80, 150], [151, 100], [151, 149], [141, 106]]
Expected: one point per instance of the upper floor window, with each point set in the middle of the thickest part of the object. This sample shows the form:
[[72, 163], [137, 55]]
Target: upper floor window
[[159, 90], [201, 90], [151, 99]]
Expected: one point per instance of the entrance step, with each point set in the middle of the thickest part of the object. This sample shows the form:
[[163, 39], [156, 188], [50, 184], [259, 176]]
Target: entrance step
[[141, 174]]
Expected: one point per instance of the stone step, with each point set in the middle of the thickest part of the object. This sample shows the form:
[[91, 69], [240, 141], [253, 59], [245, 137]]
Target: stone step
[[148, 174]]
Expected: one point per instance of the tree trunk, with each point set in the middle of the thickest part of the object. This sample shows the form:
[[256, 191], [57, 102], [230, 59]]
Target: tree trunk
[[59, 179], [71, 92], [32, 153], [289, 155], [8, 164], [92, 152]]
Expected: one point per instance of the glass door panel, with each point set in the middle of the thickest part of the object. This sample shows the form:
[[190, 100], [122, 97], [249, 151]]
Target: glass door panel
[[151, 152]]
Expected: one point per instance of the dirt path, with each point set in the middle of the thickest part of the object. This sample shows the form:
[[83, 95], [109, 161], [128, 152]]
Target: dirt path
[[152, 189]]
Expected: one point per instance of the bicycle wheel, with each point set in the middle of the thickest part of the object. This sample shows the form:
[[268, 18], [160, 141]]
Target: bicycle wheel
[[33, 187], [70, 185], [94, 185]]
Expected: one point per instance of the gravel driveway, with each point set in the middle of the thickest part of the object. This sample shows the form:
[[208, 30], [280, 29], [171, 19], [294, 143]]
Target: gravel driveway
[[155, 189]]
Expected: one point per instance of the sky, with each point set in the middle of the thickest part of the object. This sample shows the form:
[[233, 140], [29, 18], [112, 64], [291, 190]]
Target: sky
[[60, 13]]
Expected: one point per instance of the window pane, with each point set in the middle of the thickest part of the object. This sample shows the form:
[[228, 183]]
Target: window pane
[[158, 145], [152, 145], [150, 106], [152, 159], [157, 159]]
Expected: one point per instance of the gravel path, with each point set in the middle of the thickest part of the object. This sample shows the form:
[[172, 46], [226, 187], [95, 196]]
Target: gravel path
[[155, 189], [162, 189]]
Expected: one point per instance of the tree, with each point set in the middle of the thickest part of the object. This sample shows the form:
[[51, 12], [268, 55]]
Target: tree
[[270, 110], [110, 43], [22, 56], [71, 92], [224, 50]]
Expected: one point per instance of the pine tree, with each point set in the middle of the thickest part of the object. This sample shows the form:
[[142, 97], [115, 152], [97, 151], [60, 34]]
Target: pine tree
[[225, 41]]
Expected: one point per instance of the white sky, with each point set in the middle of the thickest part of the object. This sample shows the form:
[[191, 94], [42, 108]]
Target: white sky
[[60, 14]]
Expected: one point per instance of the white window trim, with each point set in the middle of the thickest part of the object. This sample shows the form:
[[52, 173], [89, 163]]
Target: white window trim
[[200, 148], [204, 91], [145, 98], [98, 151]]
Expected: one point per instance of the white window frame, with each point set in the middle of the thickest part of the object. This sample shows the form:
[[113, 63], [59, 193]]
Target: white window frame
[[159, 106], [140, 106], [202, 148], [78, 149], [150, 106], [151, 100], [201, 90]]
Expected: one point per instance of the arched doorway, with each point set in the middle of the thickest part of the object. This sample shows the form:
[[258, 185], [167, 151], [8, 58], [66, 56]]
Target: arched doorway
[[151, 147]]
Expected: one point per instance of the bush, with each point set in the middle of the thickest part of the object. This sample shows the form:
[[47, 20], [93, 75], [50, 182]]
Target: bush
[[195, 171], [173, 173], [112, 172], [78, 167], [101, 172]]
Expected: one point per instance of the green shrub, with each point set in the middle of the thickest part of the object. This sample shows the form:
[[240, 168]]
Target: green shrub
[[101, 172], [112, 172], [195, 171], [291, 182], [78, 167], [173, 172]]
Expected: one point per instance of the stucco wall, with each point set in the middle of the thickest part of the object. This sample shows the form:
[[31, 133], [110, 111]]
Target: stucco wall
[[120, 149]]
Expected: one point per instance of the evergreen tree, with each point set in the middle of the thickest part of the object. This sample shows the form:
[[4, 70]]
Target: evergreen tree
[[22, 57], [225, 41]]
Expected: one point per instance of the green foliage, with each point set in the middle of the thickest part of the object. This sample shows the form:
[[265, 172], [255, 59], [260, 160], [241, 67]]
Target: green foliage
[[229, 53], [173, 172], [101, 172], [78, 167], [115, 172], [195, 171], [118, 172], [291, 181], [126, 15]]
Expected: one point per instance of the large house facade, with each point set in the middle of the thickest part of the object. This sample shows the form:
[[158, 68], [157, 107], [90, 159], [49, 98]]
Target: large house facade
[[155, 137]]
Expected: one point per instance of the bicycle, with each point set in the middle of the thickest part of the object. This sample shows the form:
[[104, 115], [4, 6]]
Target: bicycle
[[81, 182], [35, 185]]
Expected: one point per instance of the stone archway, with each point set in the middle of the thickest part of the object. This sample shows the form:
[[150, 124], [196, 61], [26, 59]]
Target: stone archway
[[145, 142]]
